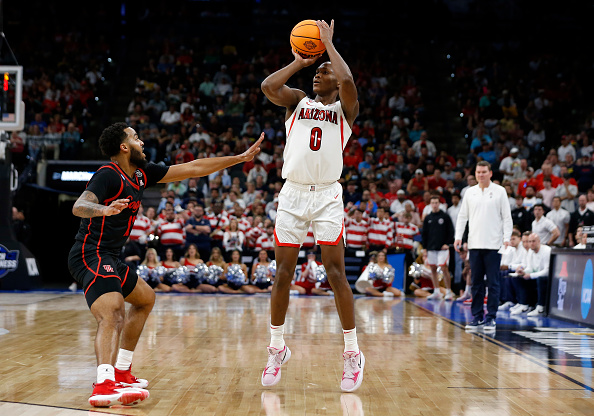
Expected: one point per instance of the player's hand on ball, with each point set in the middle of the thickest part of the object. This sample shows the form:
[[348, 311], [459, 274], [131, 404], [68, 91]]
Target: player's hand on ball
[[116, 207], [253, 150], [326, 31], [305, 61]]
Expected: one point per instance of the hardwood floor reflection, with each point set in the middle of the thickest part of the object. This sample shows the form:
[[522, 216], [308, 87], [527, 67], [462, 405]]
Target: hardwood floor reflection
[[203, 355]]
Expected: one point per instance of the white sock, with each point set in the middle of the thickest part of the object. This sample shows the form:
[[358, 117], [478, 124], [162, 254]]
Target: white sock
[[276, 336], [467, 290], [350, 340], [105, 372], [124, 359]]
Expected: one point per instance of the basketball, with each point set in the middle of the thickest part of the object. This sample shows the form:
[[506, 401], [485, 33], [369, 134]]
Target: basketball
[[305, 39]]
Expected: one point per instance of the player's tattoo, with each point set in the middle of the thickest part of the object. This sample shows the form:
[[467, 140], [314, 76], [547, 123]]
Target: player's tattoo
[[87, 206]]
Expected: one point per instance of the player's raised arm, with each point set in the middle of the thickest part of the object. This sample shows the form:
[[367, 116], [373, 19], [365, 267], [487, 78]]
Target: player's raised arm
[[204, 167], [347, 90], [275, 88], [87, 206]]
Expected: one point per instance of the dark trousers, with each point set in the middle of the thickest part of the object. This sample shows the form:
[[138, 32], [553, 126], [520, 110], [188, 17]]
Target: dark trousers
[[483, 263], [508, 291], [532, 291]]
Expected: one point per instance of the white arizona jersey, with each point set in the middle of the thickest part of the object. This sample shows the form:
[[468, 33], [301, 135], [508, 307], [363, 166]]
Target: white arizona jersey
[[316, 137]]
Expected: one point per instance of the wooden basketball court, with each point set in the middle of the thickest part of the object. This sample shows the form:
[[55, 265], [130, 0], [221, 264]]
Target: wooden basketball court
[[204, 354]]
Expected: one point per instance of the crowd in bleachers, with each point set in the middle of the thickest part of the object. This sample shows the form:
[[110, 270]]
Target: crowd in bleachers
[[194, 99], [391, 165]]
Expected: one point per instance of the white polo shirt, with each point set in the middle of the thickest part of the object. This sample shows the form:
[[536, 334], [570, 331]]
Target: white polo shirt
[[561, 219], [544, 228], [488, 215]]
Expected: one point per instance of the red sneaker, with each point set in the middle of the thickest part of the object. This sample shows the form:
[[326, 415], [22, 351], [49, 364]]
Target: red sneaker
[[110, 392], [468, 301], [126, 378]]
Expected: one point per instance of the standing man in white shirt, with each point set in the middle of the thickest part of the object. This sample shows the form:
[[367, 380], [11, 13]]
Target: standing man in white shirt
[[486, 209], [545, 228], [560, 217]]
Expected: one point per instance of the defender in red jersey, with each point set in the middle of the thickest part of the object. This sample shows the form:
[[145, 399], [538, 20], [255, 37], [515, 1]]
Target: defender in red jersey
[[108, 208]]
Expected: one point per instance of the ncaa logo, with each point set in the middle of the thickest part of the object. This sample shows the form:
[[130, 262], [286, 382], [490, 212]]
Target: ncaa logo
[[587, 284], [9, 260]]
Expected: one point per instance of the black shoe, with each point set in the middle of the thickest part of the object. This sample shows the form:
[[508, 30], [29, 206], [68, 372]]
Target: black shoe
[[490, 325], [475, 324]]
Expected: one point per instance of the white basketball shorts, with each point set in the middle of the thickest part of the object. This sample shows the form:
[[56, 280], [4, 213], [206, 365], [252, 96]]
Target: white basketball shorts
[[438, 257], [299, 205]]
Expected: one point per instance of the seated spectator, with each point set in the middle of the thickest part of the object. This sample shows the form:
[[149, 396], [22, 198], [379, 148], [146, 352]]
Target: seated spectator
[[530, 199], [266, 240], [233, 238], [535, 272], [521, 217], [306, 282], [510, 255], [172, 235], [151, 261], [236, 287], [262, 261], [567, 192], [398, 205], [356, 229], [380, 232], [582, 216], [257, 171], [436, 180], [530, 180], [171, 119], [547, 193], [380, 287]]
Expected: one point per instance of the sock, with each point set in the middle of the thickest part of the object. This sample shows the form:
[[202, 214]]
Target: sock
[[105, 372], [124, 359], [276, 336], [350, 340], [467, 290]]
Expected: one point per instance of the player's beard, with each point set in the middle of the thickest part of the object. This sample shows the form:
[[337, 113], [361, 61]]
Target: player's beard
[[137, 159]]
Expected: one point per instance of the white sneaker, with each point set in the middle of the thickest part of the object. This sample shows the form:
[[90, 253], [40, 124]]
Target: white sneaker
[[464, 297], [272, 373], [506, 306], [520, 309], [435, 296], [449, 295], [73, 287], [352, 375], [388, 294], [516, 306], [293, 292], [539, 310]]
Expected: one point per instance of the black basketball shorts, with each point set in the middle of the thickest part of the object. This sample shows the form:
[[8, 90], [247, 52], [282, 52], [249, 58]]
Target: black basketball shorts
[[99, 272]]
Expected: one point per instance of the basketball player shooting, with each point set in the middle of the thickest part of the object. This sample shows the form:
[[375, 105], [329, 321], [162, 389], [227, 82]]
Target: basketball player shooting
[[317, 132], [108, 208]]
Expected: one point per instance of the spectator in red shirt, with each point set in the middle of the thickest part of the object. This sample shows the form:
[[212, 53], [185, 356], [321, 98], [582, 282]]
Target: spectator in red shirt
[[183, 155], [529, 181], [547, 172], [352, 159], [388, 156], [419, 180], [436, 180]]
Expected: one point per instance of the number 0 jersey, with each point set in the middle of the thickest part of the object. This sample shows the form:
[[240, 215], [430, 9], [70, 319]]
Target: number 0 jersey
[[108, 184], [316, 137]]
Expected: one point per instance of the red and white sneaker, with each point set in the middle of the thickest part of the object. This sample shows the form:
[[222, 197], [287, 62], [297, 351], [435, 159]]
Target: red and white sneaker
[[126, 378], [352, 376], [110, 392], [276, 358]]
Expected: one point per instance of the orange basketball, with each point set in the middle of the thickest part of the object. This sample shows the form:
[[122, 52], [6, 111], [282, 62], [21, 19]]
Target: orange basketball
[[305, 39]]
